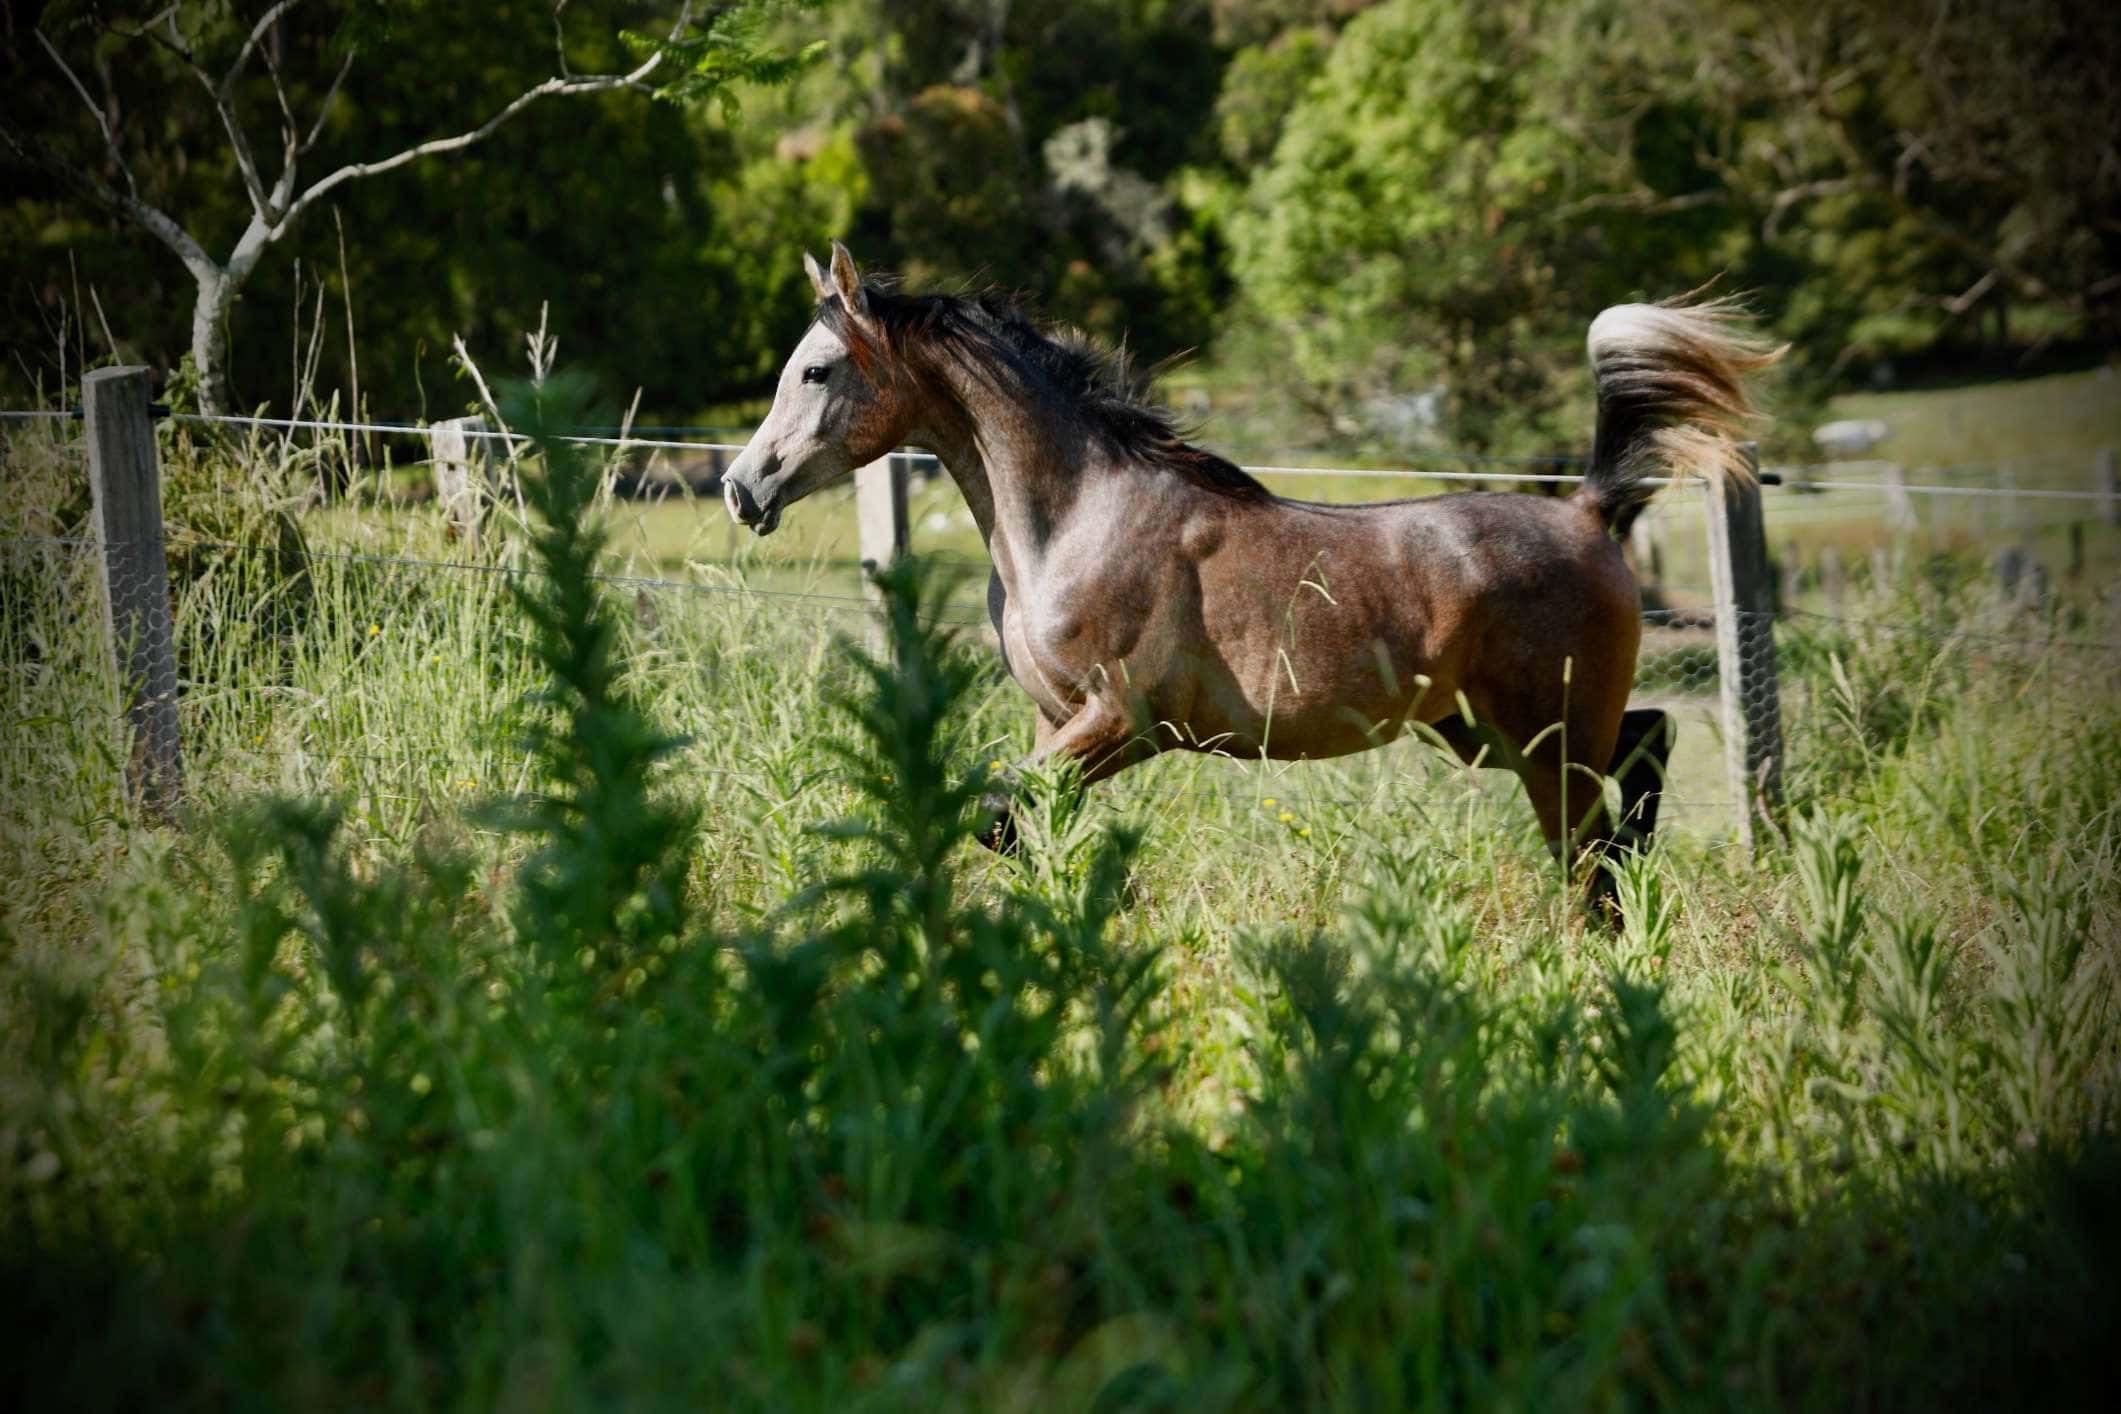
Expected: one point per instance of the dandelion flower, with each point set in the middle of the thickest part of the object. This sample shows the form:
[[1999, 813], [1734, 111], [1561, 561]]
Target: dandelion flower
[[1304, 833], [1270, 802], [374, 629], [994, 765], [1286, 818]]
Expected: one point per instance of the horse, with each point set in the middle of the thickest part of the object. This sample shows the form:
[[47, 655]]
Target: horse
[[1149, 595]]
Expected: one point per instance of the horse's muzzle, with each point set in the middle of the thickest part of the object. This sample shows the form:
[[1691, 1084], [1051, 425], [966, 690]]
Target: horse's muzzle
[[744, 508]]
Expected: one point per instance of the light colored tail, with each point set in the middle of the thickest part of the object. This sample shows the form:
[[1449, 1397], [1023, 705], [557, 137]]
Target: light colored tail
[[1672, 398]]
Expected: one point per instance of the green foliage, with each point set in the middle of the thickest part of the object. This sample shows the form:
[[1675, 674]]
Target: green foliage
[[678, 1093], [1350, 206], [1263, 83], [1409, 230], [733, 47]]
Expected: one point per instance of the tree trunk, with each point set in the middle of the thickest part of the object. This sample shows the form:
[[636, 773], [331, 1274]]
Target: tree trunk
[[209, 339]]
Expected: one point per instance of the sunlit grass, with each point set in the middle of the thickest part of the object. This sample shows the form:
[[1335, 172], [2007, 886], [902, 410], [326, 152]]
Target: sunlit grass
[[1391, 1122]]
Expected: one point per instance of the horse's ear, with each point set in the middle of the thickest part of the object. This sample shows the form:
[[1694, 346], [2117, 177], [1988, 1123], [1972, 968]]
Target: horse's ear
[[818, 281], [847, 283]]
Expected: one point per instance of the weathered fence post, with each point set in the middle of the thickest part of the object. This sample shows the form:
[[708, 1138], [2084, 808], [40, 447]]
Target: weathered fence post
[[2015, 514], [1744, 586], [2010, 565], [880, 502], [458, 452], [1899, 508], [2021, 581], [2103, 480], [127, 486], [1646, 539]]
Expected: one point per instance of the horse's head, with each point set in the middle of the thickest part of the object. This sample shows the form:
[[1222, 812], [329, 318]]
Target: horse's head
[[840, 404]]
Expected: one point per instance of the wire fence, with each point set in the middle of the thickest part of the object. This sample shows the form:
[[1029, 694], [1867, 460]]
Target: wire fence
[[245, 601], [382, 676], [1446, 464]]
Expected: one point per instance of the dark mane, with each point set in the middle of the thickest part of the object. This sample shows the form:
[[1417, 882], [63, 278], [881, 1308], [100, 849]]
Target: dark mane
[[1098, 386]]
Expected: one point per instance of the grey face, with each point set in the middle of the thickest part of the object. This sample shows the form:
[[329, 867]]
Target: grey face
[[829, 416], [803, 445]]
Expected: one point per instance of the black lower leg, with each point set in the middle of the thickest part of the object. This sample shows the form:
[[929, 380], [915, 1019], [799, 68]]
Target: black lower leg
[[1645, 746]]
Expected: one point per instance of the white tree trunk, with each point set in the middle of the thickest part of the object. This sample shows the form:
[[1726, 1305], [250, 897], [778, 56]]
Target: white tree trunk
[[209, 339]]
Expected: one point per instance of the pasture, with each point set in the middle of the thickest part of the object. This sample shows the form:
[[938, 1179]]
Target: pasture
[[564, 990]]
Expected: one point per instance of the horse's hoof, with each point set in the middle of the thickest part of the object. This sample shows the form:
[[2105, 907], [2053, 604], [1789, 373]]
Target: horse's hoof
[[1000, 836]]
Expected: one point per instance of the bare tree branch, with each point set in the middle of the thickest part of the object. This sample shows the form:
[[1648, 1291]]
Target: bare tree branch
[[257, 33], [1788, 197], [1960, 303], [559, 40], [110, 138], [290, 137], [331, 96], [552, 87], [238, 139], [1643, 201], [152, 219]]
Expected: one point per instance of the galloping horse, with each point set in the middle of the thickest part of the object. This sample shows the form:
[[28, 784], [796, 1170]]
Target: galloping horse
[[1151, 596]]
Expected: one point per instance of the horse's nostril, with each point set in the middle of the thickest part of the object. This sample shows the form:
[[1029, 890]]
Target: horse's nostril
[[743, 508]]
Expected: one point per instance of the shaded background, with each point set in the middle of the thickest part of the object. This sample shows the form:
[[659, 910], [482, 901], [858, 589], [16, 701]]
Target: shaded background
[[1379, 225]]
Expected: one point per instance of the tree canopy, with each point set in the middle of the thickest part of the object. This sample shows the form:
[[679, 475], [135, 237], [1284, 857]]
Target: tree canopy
[[1403, 211]]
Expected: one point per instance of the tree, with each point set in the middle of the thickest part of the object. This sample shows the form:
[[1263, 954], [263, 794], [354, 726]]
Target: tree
[[243, 69], [1931, 161], [1402, 237]]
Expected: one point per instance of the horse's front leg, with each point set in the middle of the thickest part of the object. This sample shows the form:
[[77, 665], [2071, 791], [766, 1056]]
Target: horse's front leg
[[1101, 738]]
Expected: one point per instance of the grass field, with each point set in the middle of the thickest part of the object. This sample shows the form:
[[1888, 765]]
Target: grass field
[[2060, 420], [592, 997]]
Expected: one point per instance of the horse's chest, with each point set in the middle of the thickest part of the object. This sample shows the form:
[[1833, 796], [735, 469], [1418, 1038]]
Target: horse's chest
[[1070, 634]]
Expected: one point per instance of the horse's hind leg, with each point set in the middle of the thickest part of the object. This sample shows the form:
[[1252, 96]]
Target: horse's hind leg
[[1563, 771], [1639, 761]]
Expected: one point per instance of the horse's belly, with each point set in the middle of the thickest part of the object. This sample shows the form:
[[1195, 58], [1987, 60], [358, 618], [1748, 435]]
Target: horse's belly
[[1296, 726]]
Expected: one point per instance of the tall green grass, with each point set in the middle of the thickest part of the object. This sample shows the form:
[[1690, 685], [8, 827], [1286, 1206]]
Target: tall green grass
[[691, 1054]]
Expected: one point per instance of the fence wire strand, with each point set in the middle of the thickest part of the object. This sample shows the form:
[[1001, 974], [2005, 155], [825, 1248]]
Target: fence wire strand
[[1786, 477]]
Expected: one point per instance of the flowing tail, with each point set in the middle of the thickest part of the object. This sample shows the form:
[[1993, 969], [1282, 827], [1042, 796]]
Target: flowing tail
[[1672, 399]]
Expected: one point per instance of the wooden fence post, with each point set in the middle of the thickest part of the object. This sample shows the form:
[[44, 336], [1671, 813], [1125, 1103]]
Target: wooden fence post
[[2015, 514], [1899, 507], [1646, 539], [2103, 481], [880, 502], [126, 484], [1744, 586], [458, 452]]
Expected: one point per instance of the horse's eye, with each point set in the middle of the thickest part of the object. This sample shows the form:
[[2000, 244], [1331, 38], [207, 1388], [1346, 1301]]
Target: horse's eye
[[815, 373]]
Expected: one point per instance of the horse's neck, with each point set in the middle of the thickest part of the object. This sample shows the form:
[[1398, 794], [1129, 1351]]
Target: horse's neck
[[1007, 459]]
